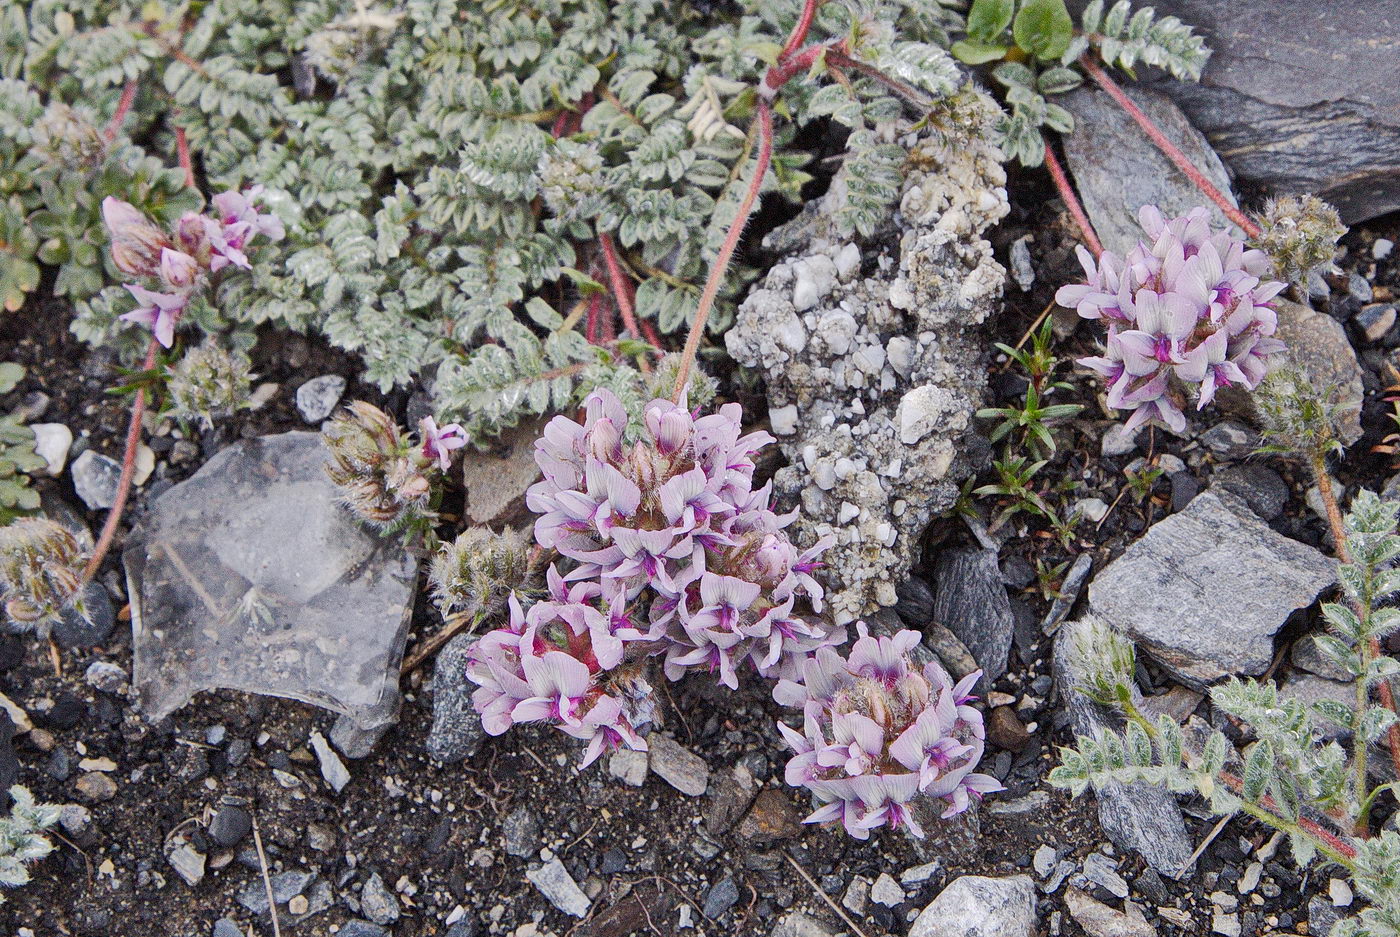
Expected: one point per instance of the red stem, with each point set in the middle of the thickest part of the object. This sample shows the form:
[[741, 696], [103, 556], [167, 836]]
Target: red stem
[[608, 318], [731, 241], [133, 439], [182, 148], [1057, 173], [800, 29], [595, 304], [622, 291], [123, 107], [1310, 826], [1167, 147]]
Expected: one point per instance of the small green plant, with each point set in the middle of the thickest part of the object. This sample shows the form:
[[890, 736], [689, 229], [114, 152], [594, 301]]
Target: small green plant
[[22, 839], [17, 455], [1290, 776], [1038, 47], [1015, 481], [1141, 481], [1030, 418]]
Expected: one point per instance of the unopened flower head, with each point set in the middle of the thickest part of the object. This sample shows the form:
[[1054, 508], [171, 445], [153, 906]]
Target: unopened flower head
[[1188, 304], [209, 383], [383, 477], [479, 569], [1300, 233], [41, 567], [675, 516], [879, 733]]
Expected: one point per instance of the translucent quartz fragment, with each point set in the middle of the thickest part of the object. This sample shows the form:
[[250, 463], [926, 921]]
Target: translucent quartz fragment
[[251, 576]]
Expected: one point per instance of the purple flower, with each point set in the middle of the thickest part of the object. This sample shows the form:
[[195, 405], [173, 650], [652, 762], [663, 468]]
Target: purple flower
[[136, 242], [158, 312], [438, 443], [878, 734], [1166, 302], [178, 269]]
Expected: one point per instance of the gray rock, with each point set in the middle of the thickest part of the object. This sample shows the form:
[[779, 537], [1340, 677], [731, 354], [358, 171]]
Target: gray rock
[[1205, 590], [976, 906], [798, 924], [332, 768], [1375, 320], [1101, 870], [1069, 593], [1117, 170], [521, 831], [1099, 920], [971, 601], [73, 631], [1021, 268], [96, 479], [51, 443], [463, 928], [886, 891], [227, 927], [229, 825], [677, 766], [355, 741], [1230, 439], [378, 902], [722, 896], [318, 397], [556, 884], [1318, 349], [251, 575], [357, 928], [1260, 486], [1118, 440], [729, 796], [1313, 108], [105, 676], [1322, 916], [1139, 817], [285, 887], [187, 862], [1044, 859], [456, 733], [628, 766]]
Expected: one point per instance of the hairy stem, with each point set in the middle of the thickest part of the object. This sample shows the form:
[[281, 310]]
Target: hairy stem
[[800, 29], [123, 108], [726, 250], [1168, 148], [1076, 210], [1318, 464], [621, 293], [182, 150], [133, 440]]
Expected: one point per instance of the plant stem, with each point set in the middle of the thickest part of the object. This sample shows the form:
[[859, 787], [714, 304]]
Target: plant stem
[[1318, 464], [1168, 148], [133, 440], [123, 107], [1076, 210], [726, 250], [800, 29], [182, 150], [621, 294]]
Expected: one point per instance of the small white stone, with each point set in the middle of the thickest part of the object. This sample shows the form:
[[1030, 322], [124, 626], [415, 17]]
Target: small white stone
[[145, 464], [845, 468], [51, 443], [856, 894], [837, 329], [824, 475], [813, 278], [318, 397], [332, 768], [1250, 879], [1092, 509], [848, 261], [556, 884], [784, 420], [628, 766], [847, 513], [899, 351], [1340, 893], [919, 874], [1044, 859], [886, 891], [1380, 248]]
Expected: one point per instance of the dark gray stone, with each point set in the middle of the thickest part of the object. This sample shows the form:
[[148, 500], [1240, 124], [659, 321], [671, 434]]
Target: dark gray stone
[[229, 825], [358, 928], [722, 896], [1117, 170], [1140, 817], [285, 887], [456, 733], [971, 602], [1204, 591], [73, 631], [915, 605], [227, 927], [1260, 486], [463, 928], [1069, 593], [1322, 917], [9, 762], [521, 831], [378, 902], [354, 740], [1301, 96]]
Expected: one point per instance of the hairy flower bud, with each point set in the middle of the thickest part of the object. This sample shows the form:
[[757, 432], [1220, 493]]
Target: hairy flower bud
[[209, 383], [40, 572], [478, 570], [1300, 233], [383, 476], [136, 242]]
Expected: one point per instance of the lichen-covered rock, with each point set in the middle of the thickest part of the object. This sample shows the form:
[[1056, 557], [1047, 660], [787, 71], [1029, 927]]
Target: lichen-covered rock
[[872, 358]]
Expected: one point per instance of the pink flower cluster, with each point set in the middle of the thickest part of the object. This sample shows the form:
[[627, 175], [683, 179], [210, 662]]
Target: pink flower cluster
[[1192, 304], [200, 245], [676, 554], [877, 733]]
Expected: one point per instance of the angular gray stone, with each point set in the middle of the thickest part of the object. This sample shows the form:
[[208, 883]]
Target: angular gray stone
[[1260, 486], [798, 924], [285, 887], [96, 478], [1300, 96], [1205, 590], [1101, 870], [971, 601], [378, 902], [1117, 170], [1099, 920], [1139, 817], [722, 896], [977, 906], [456, 733], [227, 927], [521, 832], [332, 768], [318, 397], [251, 576], [556, 884], [678, 766], [358, 928]]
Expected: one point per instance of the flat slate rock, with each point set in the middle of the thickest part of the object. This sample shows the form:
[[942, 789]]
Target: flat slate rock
[[457, 732], [977, 906], [970, 600], [1205, 590], [1300, 96], [1117, 170]]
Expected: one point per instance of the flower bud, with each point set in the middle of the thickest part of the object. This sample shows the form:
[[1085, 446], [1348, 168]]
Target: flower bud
[[136, 243]]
